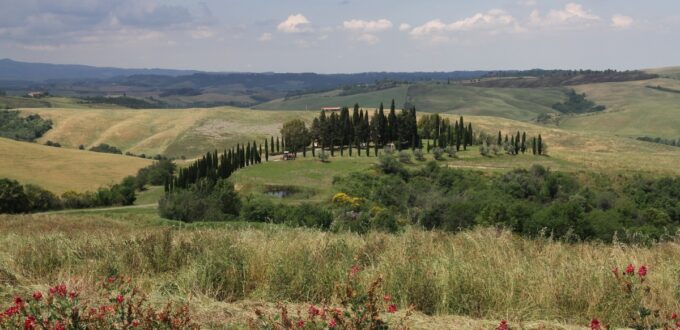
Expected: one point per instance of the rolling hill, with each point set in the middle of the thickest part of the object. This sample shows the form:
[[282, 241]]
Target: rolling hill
[[633, 109], [62, 169], [171, 132]]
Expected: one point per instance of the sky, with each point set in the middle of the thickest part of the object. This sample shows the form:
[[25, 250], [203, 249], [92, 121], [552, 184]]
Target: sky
[[331, 36]]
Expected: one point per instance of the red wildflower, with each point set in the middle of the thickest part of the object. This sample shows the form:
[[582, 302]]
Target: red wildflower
[[53, 291], [37, 295], [630, 269], [301, 324], [111, 279], [595, 323], [503, 325], [674, 316], [332, 324], [642, 271], [120, 299], [615, 270], [135, 323], [73, 294], [354, 270], [387, 298], [313, 310], [677, 324], [29, 323], [18, 301], [392, 308], [11, 311], [59, 326]]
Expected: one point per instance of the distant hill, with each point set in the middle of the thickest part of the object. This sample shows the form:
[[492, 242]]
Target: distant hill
[[26, 71]]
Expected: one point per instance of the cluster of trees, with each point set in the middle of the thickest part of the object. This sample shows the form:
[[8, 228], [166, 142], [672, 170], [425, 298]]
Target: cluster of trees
[[214, 165], [51, 143], [577, 103], [670, 142], [360, 128], [159, 173], [28, 128], [103, 147], [18, 198], [125, 101], [514, 145], [444, 134], [531, 202]]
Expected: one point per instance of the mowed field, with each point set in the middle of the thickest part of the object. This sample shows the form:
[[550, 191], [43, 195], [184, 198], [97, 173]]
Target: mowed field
[[632, 109], [62, 169], [170, 132]]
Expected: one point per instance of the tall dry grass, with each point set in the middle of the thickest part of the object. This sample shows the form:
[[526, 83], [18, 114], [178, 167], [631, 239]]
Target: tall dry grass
[[482, 273]]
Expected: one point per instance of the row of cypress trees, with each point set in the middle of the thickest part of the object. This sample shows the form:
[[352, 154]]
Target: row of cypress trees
[[519, 143], [214, 165]]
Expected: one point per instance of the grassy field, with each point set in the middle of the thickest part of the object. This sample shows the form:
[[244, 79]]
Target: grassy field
[[62, 169], [171, 132], [227, 270], [314, 102], [632, 109], [511, 103]]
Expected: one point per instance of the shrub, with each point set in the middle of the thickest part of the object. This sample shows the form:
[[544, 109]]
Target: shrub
[[451, 151], [12, 197], [419, 155], [206, 200], [389, 165], [405, 157], [438, 153], [120, 306], [158, 173], [106, 149]]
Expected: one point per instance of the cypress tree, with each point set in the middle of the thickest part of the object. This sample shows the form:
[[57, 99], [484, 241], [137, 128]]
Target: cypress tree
[[500, 139], [375, 150], [259, 154], [271, 145], [278, 149], [471, 136], [248, 154], [368, 149], [524, 142], [512, 145], [304, 151], [342, 147], [350, 149], [533, 145], [332, 148], [428, 146], [540, 145], [313, 150], [266, 151], [517, 143]]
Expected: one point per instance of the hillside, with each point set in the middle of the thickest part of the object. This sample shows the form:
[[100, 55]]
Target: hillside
[[633, 109], [314, 102], [62, 169], [171, 132]]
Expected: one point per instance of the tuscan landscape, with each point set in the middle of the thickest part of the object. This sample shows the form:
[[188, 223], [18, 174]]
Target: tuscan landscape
[[339, 165]]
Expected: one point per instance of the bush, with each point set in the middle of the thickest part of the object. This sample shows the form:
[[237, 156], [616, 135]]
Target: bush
[[106, 149], [120, 306], [405, 157], [158, 173], [419, 155], [438, 153], [451, 151], [12, 197], [389, 165], [206, 200]]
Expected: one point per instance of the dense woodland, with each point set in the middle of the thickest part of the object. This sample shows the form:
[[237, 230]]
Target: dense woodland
[[554, 78], [577, 103], [22, 128]]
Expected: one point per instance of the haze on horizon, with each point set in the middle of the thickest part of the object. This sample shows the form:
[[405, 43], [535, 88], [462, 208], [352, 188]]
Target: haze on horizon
[[343, 35]]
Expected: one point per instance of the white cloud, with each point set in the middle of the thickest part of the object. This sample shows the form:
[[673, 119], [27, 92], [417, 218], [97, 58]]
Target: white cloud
[[295, 24], [265, 37], [572, 13], [367, 26], [202, 32], [621, 21], [404, 27], [494, 20], [528, 3], [368, 38]]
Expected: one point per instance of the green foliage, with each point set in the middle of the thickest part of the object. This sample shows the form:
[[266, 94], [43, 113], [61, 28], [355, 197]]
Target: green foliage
[[29, 128], [304, 215], [158, 173], [296, 135], [577, 103], [124, 101], [206, 200], [532, 202], [106, 149]]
